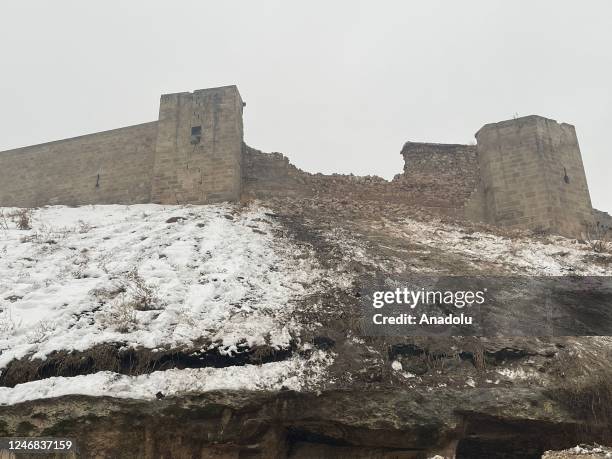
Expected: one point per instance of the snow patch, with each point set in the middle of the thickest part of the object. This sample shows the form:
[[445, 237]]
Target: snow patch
[[220, 273], [294, 374]]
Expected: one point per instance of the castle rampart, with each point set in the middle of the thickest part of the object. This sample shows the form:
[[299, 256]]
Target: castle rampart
[[193, 154], [523, 173], [103, 168]]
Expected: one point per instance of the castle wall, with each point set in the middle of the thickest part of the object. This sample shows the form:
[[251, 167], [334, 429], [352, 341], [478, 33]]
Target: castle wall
[[108, 167], [198, 157], [523, 173], [533, 176]]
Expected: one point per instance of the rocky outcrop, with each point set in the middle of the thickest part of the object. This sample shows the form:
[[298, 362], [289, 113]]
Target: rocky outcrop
[[381, 423]]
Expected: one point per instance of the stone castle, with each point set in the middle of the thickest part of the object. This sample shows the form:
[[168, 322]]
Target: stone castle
[[522, 173]]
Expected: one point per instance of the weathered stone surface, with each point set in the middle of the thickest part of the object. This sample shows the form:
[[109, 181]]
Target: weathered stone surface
[[104, 168]]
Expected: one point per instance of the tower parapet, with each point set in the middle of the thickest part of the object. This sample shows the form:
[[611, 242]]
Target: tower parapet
[[533, 176], [198, 155]]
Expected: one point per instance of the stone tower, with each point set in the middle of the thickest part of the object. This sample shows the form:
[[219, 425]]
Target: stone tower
[[533, 177], [198, 153]]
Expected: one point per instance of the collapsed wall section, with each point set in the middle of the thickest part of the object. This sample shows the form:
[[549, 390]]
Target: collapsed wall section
[[271, 175], [266, 175], [103, 168], [198, 157], [439, 175]]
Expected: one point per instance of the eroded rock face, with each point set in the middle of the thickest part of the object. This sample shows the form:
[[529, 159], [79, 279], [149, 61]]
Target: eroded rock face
[[375, 423]]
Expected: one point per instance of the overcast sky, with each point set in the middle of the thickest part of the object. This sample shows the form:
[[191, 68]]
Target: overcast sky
[[338, 86]]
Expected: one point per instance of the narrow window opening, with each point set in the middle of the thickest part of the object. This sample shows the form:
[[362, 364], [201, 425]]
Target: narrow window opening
[[566, 178], [196, 134]]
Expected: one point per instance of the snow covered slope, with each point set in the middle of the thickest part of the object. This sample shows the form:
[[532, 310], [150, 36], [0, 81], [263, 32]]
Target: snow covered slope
[[154, 277], [220, 282], [257, 309]]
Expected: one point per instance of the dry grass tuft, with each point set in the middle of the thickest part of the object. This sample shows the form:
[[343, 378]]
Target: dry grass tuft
[[598, 238]]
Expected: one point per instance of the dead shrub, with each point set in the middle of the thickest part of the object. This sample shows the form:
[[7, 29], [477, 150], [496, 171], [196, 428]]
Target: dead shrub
[[107, 294], [121, 315], [4, 220], [41, 332], [589, 399], [46, 234], [261, 354], [21, 217], [438, 362], [515, 248], [246, 201], [598, 238], [124, 298], [84, 227], [144, 296], [476, 350], [80, 264], [7, 323]]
